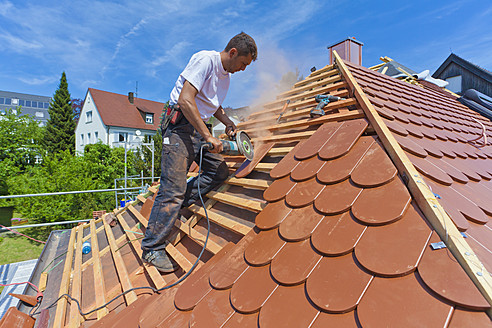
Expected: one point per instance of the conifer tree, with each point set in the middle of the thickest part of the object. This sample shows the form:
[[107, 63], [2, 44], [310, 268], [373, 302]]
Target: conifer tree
[[60, 128]]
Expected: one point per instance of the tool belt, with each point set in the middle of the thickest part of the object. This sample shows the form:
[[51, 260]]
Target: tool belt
[[172, 115]]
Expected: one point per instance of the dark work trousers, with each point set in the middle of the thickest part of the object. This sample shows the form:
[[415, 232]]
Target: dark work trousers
[[181, 146]]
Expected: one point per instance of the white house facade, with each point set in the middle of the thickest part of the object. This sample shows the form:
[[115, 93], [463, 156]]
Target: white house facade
[[114, 120]]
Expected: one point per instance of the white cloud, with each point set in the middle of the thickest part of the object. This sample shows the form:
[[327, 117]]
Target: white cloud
[[38, 80], [17, 44], [5, 7]]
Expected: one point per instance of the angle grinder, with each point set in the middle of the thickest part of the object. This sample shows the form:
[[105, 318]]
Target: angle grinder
[[239, 145]]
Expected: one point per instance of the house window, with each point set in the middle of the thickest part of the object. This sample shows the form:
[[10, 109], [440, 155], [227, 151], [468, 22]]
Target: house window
[[15, 101], [149, 118], [22, 102], [8, 101], [2, 100], [96, 136], [89, 137], [28, 103], [34, 104], [46, 105], [88, 116], [81, 139], [122, 136], [454, 83]]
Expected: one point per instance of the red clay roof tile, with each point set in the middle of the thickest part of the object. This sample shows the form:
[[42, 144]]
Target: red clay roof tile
[[293, 229]]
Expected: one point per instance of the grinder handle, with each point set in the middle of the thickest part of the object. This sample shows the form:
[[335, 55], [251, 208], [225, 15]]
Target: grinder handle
[[207, 145]]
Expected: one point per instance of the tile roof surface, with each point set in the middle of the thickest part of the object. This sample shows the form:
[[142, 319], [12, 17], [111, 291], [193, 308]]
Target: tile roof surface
[[116, 110], [331, 236]]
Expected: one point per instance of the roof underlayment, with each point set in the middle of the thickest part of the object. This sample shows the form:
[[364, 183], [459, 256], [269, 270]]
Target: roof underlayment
[[331, 225]]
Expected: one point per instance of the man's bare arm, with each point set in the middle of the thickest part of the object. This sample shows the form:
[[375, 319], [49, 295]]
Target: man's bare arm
[[230, 126], [186, 102]]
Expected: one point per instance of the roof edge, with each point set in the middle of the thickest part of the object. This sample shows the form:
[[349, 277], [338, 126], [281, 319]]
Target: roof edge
[[453, 58], [421, 193]]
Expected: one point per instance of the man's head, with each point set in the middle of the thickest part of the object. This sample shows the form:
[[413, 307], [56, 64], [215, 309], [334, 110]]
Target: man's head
[[239, 53]]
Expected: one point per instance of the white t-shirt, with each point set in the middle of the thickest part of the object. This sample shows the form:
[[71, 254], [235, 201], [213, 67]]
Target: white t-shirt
[[206, 73]]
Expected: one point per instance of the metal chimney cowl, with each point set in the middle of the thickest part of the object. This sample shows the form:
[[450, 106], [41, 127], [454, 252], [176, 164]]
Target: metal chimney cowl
[[131, 97], [349, 49]]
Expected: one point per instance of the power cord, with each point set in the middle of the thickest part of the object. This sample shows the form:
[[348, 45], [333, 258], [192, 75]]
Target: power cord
[[155, 290]]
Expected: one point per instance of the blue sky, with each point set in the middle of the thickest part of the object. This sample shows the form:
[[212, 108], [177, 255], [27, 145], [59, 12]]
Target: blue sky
[[109, 45]]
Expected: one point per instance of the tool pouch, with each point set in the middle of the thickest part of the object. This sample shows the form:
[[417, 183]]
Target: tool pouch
[[172, 114]]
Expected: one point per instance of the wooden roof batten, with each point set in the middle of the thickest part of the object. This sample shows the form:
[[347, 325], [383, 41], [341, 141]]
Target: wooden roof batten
[[421, 193]]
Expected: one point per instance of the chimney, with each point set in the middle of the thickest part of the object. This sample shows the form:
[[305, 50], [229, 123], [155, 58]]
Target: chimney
[[349, 49], [130, 97]]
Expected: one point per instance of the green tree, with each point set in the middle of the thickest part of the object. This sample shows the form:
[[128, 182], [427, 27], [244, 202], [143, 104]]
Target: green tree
[[20, 138], [60, 128]]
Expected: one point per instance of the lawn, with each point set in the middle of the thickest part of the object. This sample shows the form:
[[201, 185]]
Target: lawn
[[18, 248]]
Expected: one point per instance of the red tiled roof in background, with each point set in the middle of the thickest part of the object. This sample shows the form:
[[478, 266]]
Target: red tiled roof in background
[[116, 110]]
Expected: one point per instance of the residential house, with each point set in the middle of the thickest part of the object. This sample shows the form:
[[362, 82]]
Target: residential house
[[463, 75], [115, 119]]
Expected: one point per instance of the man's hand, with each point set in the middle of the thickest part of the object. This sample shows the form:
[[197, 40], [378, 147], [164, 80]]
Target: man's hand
[[231, 129], [216, 143]]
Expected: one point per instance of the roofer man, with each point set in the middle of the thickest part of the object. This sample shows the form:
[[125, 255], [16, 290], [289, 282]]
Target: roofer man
[[197, 95]]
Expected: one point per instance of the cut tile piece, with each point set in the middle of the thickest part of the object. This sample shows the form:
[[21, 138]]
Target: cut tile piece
[[340, 169], [294, 262], [345, 320], [430, 170], [252, 289], [444, 275], [337, 234], [343, 139], [469, 319], [304, 193], [287, 307], [337, 284], [374, 169], [239, 320], [317, 140], [307, 169], [264, 247], [300, 223], [278, 189], [287, 164], [367, 207], [386, 303], [247, 167], [213, 310], [337, 198], [394, 249], [272, 215]]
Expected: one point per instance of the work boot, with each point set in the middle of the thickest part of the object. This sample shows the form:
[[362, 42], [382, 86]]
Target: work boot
[[160, 260]]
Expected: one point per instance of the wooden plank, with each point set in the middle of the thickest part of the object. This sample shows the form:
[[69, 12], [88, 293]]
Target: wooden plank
[[143, 220], [280, 151], [286, 137], [86, 238], [154, 274], [141, 198], [61, 308], [301, 112], [75, 319], [260, 167], [422, 194], [99, 286], [120, 266], [247, 204], [179, 258], [249, 183], [347, 115], [320, 87], [316, 75], [198, 237], [221, 220], [43, 279]]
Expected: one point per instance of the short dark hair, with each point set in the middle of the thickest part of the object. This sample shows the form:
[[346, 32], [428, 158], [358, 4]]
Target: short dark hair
[[244, 44]]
